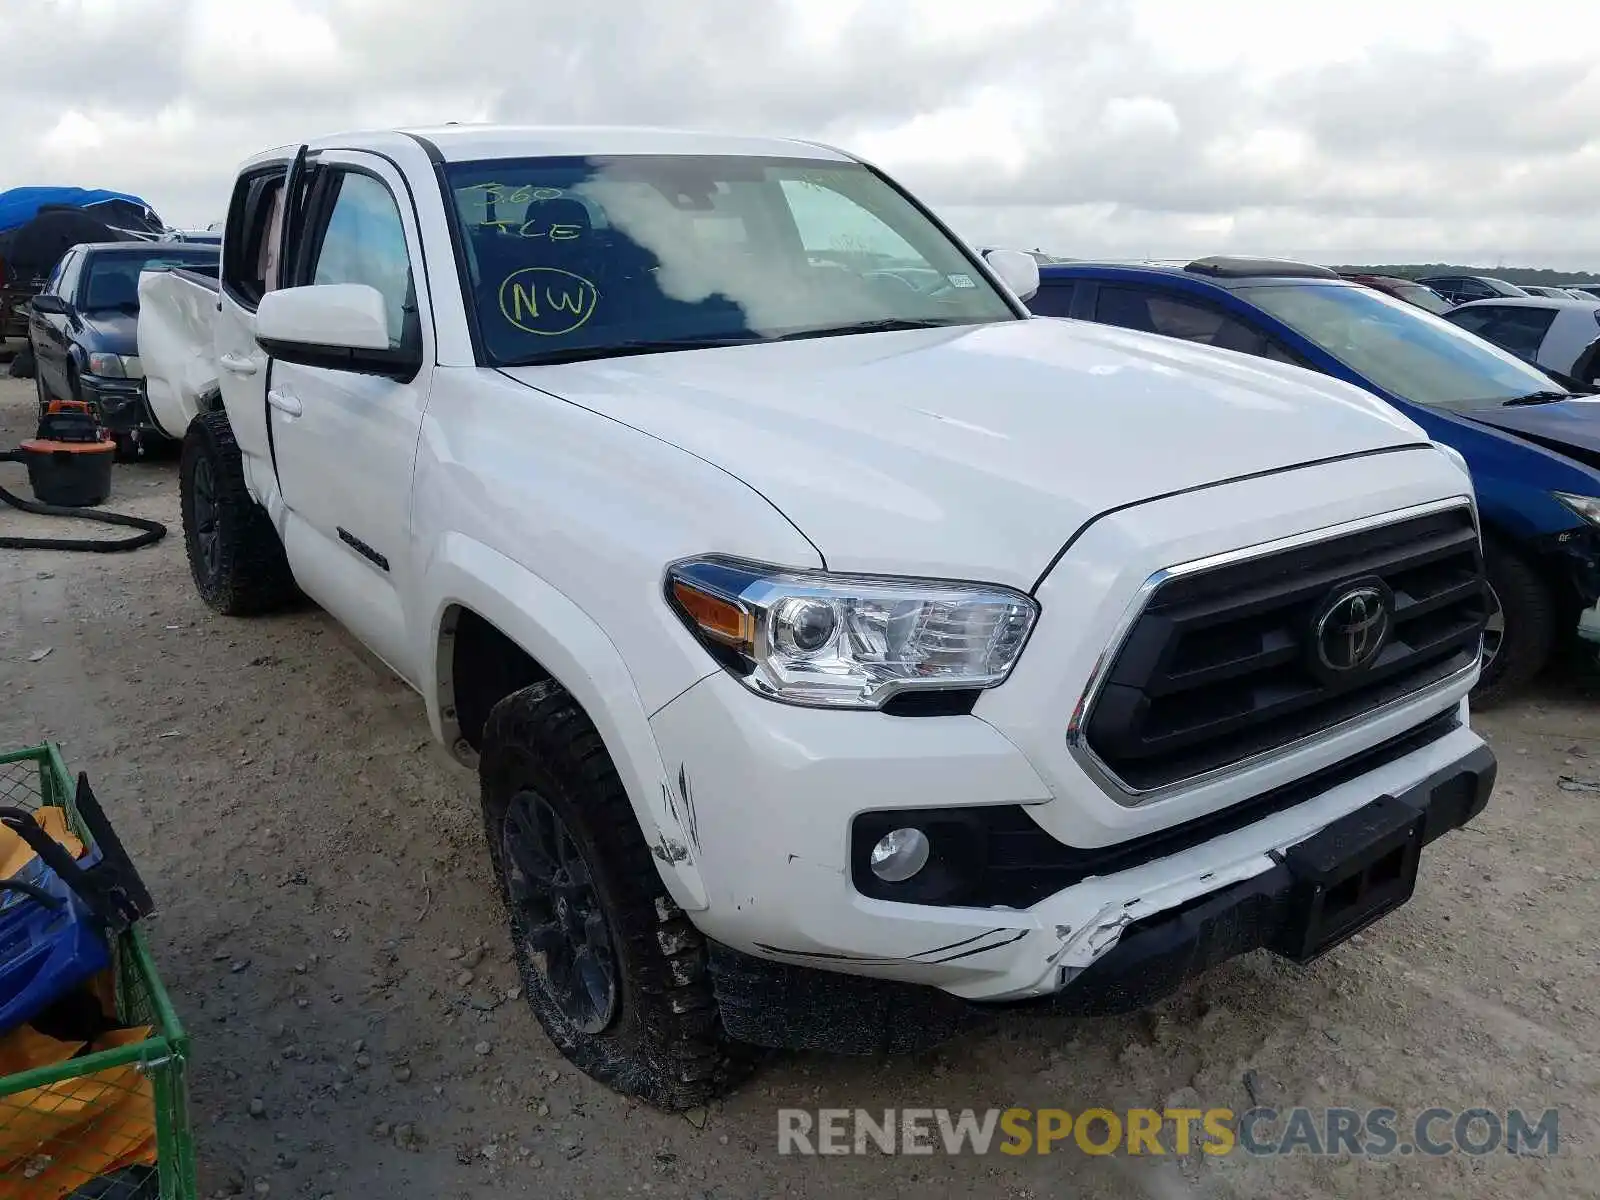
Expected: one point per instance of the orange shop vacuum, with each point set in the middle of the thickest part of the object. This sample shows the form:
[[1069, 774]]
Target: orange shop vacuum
[[69, 464]]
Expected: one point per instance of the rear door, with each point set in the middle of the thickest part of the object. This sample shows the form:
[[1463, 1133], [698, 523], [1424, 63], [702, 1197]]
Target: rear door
[[252, 251]]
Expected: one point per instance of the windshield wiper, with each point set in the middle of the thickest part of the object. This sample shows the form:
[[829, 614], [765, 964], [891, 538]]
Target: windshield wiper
[[622, 349], [1544, 397], [877, 325], [662, 346]]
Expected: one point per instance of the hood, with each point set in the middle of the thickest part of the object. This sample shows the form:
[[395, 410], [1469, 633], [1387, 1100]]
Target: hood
[[975, 452], [1566, 426], [111, 332]]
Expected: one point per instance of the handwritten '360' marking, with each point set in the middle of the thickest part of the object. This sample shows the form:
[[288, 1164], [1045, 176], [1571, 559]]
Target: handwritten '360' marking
[[547, 300]]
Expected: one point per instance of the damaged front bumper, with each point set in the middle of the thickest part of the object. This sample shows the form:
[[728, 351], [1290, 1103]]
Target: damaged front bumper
[[1128, 954], [770, 796], [1156, 956]]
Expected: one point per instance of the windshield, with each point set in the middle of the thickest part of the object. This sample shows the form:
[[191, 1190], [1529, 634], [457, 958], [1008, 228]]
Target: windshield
[[582, 257], [111, 281], [1397, 347]]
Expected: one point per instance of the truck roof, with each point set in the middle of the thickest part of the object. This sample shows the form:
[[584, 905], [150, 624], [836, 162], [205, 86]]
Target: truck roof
[[464, 142]]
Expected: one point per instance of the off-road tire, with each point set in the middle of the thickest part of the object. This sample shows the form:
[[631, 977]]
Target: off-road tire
[[249, 573], [665, 1044], [1530, 626]]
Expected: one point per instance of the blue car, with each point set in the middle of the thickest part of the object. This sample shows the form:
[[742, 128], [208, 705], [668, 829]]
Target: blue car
[[1532, 446]]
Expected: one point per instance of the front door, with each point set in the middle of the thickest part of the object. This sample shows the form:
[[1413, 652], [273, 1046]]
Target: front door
[[47, 332], [345, 443]]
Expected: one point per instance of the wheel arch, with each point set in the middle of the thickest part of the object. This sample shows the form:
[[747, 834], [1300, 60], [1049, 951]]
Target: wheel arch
[[474, 621]]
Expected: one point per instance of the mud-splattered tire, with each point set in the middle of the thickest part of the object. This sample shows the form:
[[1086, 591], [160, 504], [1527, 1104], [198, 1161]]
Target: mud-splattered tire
[[653, 1030], [235, 556], [1522, 618]]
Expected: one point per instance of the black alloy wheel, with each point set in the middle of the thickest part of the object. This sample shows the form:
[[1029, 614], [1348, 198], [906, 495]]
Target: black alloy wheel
[[556, 912]]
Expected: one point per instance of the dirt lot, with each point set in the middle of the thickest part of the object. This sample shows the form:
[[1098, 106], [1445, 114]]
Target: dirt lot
[[329, 932]]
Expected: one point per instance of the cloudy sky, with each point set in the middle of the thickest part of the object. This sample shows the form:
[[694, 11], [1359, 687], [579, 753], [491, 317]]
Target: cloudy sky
[[1362, 130]]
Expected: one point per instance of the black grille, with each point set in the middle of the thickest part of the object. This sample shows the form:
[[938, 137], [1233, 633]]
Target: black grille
[[1220, 667]]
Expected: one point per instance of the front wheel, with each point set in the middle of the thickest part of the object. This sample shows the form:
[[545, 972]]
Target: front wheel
[[614, 971], [1521, 630]]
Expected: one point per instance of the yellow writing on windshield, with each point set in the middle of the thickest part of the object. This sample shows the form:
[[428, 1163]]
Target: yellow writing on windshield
[[499, 193], [547, 300]]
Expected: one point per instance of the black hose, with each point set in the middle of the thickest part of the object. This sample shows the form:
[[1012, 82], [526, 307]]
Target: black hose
[[151, 531]]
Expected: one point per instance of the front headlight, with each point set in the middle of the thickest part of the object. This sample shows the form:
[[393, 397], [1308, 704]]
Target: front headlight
[[849, 641], [107, 366], [1587, 507]]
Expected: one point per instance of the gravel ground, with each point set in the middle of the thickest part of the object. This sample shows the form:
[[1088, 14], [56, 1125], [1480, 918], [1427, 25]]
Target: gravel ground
[[330, 935]]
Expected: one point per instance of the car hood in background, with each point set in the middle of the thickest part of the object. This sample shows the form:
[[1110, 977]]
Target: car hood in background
[[109, 332], [976, 451], [1562, 425]]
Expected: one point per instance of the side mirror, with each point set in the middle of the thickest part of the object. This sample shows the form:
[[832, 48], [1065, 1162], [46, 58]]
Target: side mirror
[[337, 326], [1017, 270], [53, 305]]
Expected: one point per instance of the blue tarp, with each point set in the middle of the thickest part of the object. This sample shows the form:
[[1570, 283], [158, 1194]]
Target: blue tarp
[[18, 206]]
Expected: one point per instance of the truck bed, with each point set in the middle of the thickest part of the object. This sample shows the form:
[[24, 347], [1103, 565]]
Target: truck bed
[[176, 311]]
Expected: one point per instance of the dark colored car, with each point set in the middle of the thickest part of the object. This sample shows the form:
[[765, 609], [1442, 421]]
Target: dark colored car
[[1460, 289], [1408, 290], [1533, 450], [82, 329]]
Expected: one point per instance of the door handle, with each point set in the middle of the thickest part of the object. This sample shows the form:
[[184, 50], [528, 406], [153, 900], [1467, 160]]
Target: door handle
[[284, 403], [237, 363]]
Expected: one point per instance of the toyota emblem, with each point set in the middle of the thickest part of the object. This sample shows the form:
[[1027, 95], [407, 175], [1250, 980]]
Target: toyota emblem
[[1351, 629]]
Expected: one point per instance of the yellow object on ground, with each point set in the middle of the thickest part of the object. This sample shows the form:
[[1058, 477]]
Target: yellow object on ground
[[57, 1137], [16, 853]]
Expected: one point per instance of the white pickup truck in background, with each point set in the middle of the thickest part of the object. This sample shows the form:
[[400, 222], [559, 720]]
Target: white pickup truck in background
[[844, 654]]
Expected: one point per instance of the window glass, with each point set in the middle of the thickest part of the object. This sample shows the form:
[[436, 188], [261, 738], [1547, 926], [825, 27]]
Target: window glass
[[1153, 311], [1399, 348], [1422, 297], [51, 285], [1517, 328], [595, 256], [249, 263], [1282, 354], [1521, 330], [365, 242], [1053, 299], [110, 278], [1474, 320]]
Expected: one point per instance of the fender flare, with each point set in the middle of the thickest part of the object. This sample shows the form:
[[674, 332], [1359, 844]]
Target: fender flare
[[466, 574]]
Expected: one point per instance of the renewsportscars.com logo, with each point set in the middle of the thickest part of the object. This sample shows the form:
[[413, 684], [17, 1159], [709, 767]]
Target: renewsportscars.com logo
[[1372, 1133]]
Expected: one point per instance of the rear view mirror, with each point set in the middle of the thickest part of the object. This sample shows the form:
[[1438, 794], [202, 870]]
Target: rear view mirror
[[338, 326], [54, 305], [1019, 271]]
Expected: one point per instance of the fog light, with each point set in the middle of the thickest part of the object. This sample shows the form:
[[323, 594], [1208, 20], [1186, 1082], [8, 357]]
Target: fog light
[[900, 855]]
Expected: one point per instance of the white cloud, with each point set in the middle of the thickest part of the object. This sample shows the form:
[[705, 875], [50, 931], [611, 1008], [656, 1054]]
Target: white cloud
[[1368, 130]]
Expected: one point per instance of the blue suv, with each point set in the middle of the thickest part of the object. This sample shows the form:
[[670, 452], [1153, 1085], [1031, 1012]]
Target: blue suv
[[1533, 447]]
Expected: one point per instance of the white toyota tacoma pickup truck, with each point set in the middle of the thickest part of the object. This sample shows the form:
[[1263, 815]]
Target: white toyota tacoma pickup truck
[[844, 653]]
